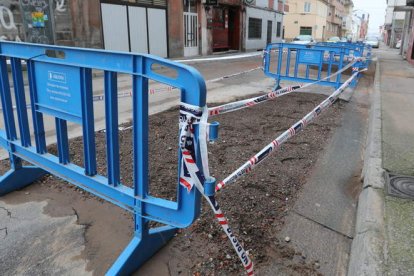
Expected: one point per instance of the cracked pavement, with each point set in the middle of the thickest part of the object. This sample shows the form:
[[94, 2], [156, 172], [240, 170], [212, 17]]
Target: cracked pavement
[[33, 243]]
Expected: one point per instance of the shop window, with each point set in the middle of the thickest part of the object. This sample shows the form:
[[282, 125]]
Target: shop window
[[255, 28]]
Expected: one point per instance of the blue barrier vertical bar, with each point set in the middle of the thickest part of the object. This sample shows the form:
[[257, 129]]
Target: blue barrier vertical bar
[[38, 125], [280, 59], [331, 59], [295, 74], [111, 115], [20, 101], [320, 65], [140, 142], [6, 101], [8, 116], [89, 149], [267, 58], [307, 71], [341, 64], [288, 62], [140, 132], [15, 162], [62, 141]]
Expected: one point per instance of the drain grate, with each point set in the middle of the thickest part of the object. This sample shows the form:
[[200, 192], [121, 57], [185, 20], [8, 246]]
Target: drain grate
[[400, 185]]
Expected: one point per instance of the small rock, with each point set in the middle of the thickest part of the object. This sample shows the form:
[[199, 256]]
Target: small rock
[[228, 257], [317, 265], [169, 148], [267, 195], [287, 239], [210, 236], [27, 193], [211, 259]]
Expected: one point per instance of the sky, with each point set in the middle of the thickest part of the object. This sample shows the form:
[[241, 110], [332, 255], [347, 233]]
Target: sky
[[376, 10]]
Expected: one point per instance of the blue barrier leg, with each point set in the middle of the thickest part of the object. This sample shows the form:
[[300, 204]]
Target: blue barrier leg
[[140, 249], [19, 177]]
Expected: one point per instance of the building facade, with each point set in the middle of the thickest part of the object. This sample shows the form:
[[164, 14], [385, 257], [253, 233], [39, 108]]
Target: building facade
[[306, 17], [394, 22], [167, 28], [406, 36], [347, 19], [336, 13], [263, 22]]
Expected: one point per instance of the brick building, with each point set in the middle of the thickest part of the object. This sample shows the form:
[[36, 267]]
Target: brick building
[[168, 28]]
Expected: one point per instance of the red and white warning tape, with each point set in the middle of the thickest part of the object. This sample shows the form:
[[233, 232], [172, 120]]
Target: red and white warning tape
[[292, 131], [190, 176], [269, 96]]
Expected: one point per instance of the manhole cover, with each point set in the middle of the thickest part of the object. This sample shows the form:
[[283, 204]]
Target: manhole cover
[[400, 185]]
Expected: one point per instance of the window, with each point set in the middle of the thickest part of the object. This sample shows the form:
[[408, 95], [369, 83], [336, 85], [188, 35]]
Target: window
[[189, 5], [305, 31], [255, 28], [278, 27], [307, 7], [160, 3]]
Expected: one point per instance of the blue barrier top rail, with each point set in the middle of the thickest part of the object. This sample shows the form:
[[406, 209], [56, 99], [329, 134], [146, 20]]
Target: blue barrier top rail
[[60, 82]]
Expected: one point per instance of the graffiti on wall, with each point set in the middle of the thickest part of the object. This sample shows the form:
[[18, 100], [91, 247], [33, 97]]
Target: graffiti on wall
[[7, 18], [11, 27], [60, 6], [37, 21]]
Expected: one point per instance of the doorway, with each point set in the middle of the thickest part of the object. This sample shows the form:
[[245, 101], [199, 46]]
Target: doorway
[[234, 29], [190, 17], [269, 31]]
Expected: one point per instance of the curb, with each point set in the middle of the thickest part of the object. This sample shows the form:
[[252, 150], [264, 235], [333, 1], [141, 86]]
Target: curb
[[367, 250]]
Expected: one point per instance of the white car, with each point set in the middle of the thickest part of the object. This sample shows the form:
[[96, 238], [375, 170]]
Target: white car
[[373, 41], [303, 40]]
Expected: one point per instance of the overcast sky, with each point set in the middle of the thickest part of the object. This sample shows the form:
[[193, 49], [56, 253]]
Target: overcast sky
[[376, 10]]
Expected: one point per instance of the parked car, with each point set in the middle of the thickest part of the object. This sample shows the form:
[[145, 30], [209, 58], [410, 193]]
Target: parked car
[[373, 41], [344, 39], [303, 39], [333, 39]]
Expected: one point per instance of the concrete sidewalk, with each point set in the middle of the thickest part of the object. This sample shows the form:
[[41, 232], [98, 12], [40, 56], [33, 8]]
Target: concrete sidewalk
[[384, 239]]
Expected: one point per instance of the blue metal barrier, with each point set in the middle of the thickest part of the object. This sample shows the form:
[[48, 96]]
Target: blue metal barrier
[[360, 48], [60, 82], [279, 65]]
